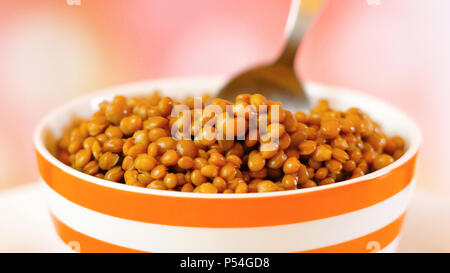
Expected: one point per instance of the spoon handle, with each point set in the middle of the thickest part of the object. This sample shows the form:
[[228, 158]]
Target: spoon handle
[[295, 29]]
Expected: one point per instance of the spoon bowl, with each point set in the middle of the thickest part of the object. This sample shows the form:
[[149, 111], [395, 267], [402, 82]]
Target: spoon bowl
[[276, 82]]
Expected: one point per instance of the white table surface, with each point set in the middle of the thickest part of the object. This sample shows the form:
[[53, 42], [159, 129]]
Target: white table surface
[[25, 224]]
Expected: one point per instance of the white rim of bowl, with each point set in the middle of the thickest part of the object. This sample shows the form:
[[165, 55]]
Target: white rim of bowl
[[414, 142]]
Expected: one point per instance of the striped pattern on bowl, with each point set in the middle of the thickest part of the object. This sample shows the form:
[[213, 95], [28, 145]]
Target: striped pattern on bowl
[[359, 215]]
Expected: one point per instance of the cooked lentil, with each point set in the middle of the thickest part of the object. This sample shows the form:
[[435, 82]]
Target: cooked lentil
[[128, 140]]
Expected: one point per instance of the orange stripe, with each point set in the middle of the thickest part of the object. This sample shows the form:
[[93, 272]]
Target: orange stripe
[[381, 238], [236, 212]]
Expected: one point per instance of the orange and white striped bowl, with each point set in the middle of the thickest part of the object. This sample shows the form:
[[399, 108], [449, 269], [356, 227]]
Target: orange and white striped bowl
[[358, 215]]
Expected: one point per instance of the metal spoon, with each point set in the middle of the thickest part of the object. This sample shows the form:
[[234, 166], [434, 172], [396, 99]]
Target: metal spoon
[[277, 81]]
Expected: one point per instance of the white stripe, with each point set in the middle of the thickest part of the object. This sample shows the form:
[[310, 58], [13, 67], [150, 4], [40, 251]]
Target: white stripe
[[283, 238]]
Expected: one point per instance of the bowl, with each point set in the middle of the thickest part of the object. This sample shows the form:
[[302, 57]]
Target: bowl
[[364, 214]]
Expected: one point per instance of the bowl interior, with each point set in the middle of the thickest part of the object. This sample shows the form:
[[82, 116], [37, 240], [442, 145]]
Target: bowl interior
[[392, 120]]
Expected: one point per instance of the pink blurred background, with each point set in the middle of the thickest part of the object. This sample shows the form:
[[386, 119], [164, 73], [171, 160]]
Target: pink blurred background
[[51, 51]]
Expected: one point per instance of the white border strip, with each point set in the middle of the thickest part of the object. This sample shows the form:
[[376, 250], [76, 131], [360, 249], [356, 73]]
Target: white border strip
[[283, 238]]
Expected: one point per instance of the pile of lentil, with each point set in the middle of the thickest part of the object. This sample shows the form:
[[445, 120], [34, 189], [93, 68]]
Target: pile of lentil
[[128, 140]]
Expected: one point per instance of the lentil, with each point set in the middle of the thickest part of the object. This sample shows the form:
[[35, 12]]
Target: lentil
[[129, 141]]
